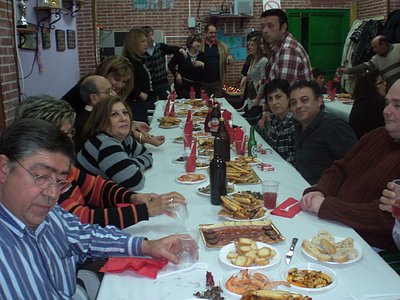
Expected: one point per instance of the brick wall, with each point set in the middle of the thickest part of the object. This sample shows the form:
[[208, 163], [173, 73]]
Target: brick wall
[[8, 70], [371, 8]]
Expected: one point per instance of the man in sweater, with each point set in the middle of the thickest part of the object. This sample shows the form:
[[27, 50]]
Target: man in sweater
[[321, 137], [386, 61], [350, 190], [217, 58]]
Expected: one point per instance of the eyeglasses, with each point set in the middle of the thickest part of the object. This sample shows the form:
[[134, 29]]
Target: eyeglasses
[[44, 182]]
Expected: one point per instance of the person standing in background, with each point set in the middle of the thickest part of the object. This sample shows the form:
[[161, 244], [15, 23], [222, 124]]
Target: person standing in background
[[188, 71], [134, 49], [154, 59], [217, 58], [319, 77]]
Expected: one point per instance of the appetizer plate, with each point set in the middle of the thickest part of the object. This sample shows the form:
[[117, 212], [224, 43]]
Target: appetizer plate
[[251, 161], [168, 127], [191, 178], [337, 239], [202, 165], [266, 214], [315, 267], [179, 160], [178, 140], [205, 190], [228, 275], [231, 247]]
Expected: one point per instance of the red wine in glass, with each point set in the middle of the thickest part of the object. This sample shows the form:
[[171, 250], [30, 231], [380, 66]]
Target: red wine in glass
[[269, 200]]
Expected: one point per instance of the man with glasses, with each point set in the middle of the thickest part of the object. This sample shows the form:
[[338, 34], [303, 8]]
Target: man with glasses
[[40, 242], [217, 58], [350, 190]]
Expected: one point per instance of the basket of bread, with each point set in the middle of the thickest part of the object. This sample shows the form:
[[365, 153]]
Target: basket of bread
[[327, 248]]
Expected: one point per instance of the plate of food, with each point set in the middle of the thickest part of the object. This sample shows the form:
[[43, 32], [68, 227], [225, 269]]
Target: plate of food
[[250, 160], [241, 173], [200, 165], [205, 190], [310, 277], [178, 140], [202, 134], [243, 206], [236, 283], [221, 234], [191, 178], [248, 254], [332, 250], [169, 122], [179, 160]]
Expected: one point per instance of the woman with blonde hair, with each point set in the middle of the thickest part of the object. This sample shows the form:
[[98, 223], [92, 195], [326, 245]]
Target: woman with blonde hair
[[109, 149], [117, 69], [135, 46]]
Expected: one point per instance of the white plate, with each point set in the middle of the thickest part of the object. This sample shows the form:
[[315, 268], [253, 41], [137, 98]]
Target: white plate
[[338, 239], [177, 141], [208, 194], [202, 168], [267, 212], [228, 275], [175, 161], [168, 127], [191, 182], [231, 247], [311, 266]]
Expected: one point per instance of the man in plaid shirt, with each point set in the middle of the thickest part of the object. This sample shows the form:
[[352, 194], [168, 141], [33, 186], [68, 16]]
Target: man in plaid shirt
[[155, 61], [288, 59]]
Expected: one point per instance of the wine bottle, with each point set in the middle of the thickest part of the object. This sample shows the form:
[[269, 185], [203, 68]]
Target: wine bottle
[[214, 121], [225, 140], [252, 144], [218, 180]]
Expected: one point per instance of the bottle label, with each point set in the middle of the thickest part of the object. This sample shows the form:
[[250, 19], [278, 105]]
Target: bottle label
[[214, 124], [253, 151]]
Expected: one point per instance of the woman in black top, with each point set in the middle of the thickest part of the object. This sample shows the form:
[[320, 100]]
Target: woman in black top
[[369, 101], [188, 72], [135, 46]]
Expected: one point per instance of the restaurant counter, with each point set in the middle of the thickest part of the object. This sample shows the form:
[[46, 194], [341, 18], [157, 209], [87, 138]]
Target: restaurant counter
[[370, 275]]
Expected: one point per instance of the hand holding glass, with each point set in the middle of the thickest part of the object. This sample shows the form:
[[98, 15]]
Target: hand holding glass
[[179, 211], [189, 249]]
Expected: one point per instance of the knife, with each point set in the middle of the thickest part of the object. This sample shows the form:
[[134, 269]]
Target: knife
[[289, 255]]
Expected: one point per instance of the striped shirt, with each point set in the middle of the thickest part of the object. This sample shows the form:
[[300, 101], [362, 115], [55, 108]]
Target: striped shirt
[[123, 162], [41, 264], [98, 201]]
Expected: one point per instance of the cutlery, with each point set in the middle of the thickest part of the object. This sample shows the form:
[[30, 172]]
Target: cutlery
[[289, 207], [289, 255]]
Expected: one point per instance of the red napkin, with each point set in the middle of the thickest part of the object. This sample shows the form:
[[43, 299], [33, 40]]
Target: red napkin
[[187, 135], [189, 117], [191, 161], [144, 266], [331, 92], [172, 111], [227, 115], [205, 98], [192, 93], [240, 140], [294, 210], [166, 109]]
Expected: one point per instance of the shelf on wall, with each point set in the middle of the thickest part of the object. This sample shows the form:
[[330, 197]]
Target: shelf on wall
[[215, 17], [50, 10]]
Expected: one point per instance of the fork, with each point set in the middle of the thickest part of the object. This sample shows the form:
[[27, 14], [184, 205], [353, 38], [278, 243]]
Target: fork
[[289, 207]]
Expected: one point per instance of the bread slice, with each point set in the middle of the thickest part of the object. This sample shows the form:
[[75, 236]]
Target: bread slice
[[346, 243], [340, 257], [326, 235], [264, 252], [328, 247], [322, 257], [245, 241], [351, 253], [309, 248]]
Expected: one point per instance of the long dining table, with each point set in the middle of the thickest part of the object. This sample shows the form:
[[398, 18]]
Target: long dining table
[[367, 278]]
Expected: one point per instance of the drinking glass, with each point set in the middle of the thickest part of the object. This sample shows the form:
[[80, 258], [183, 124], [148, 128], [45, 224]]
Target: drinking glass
[[395, 209], [270, 193], [189, 249], [179, 211]]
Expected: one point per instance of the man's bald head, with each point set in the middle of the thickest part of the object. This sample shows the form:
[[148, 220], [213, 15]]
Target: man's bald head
[[95, 88], [380, 45]]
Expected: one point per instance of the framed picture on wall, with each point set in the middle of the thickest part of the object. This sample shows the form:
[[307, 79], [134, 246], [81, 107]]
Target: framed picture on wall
[[71, 42], [60, 40], [28, 40], [46, 44]]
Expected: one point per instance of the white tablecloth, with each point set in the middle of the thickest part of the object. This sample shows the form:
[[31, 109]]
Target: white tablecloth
[[339, 109], [368, 276]]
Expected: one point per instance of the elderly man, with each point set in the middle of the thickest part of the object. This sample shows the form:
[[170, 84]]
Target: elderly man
[[217, 58], [321, 137], [36, 233], [386, 60], [350, 190]]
